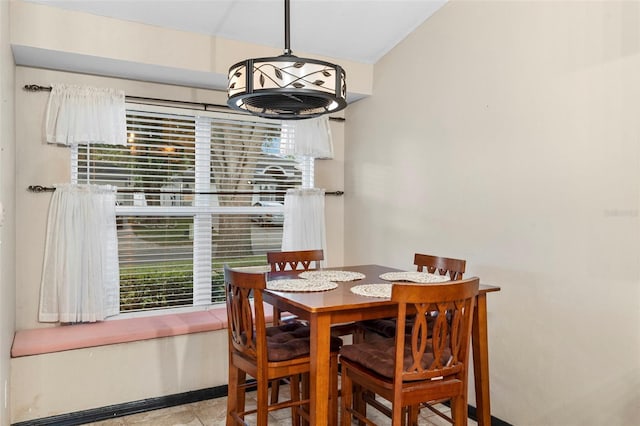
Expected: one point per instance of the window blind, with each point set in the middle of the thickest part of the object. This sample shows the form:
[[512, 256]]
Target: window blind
[[196, 190]]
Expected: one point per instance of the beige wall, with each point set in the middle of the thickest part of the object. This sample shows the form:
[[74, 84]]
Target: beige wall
[[508, 134], [7, 213], [70, 381]]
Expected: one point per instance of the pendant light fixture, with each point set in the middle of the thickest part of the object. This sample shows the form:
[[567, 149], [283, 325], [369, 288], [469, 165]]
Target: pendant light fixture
[[286, 86]]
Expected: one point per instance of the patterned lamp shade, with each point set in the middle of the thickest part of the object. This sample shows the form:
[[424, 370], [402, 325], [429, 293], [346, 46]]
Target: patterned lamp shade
[[286, 86]]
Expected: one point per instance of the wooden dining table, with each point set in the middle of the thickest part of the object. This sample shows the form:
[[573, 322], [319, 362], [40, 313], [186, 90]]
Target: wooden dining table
[[340, 305]]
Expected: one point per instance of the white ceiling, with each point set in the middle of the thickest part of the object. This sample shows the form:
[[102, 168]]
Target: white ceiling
[[357, 30]]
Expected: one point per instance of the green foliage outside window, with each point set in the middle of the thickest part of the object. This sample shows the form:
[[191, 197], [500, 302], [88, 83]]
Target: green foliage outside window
[[140, 285]]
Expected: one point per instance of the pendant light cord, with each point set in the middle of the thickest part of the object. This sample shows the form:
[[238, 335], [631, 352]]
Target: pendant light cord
[[287, 33]]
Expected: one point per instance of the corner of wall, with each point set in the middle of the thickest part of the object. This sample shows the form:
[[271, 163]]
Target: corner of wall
[[7, 201]]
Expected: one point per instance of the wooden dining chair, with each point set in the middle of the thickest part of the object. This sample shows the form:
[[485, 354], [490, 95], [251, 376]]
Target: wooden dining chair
[[386, 327], [266, 353], [290, 262], [440, 265], [408, 370], [293, 262]]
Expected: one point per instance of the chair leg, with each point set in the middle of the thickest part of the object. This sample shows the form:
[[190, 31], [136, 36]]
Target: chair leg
[[275, 391], [333, 392], [459, 410], [236, 395], [413, 413], [346, 398], [398, 415], [305, 382], [262, 415], [360, 396], [294, 390]]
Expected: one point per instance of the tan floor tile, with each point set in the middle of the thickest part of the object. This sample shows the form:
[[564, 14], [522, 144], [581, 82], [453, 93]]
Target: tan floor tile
[[173, 416], [212, 412]]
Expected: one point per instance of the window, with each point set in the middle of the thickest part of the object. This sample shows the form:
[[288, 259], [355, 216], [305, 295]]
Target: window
[[196, 190]]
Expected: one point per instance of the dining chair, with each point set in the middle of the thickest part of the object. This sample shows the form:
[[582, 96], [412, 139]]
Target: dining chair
[[298, 261], [386, 327], [290, 262], [293, 262], [442, 265], [266, 353], [410, 369]]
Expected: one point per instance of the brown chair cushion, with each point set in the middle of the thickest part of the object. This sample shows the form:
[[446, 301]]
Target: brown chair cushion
[[378, 356], [291, 340], [386, 327]]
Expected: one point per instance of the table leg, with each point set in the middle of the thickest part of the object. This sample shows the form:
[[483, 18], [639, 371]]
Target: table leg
[[320, 369], [480, 346]]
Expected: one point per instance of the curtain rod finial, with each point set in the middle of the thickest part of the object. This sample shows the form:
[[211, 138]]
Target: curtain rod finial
[[39, 188], [35, 87]]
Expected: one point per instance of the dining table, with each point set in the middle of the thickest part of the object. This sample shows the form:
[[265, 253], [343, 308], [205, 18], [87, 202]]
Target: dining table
[[339, 305]]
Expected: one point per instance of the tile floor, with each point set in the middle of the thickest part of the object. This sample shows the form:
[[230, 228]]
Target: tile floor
[[212, 413]]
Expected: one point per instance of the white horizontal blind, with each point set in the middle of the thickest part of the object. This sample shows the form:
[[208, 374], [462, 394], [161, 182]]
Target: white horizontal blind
[[196, 190]]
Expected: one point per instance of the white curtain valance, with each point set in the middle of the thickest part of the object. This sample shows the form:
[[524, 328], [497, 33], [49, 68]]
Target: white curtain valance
[[80, 276], [304, 225], [80, 114], [310, 137]]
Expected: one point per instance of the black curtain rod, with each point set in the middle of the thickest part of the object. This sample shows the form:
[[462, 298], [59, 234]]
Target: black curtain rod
[[40, 188], [141, 99]]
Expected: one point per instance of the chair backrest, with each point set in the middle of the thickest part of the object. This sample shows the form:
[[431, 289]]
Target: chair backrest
[[441, 265], [299, 260], [446, 353], [246, 320]]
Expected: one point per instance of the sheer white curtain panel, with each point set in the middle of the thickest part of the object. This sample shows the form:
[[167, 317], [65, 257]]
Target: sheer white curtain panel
[[304, 224], [80, 114], [308, 138], [80, 277]]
